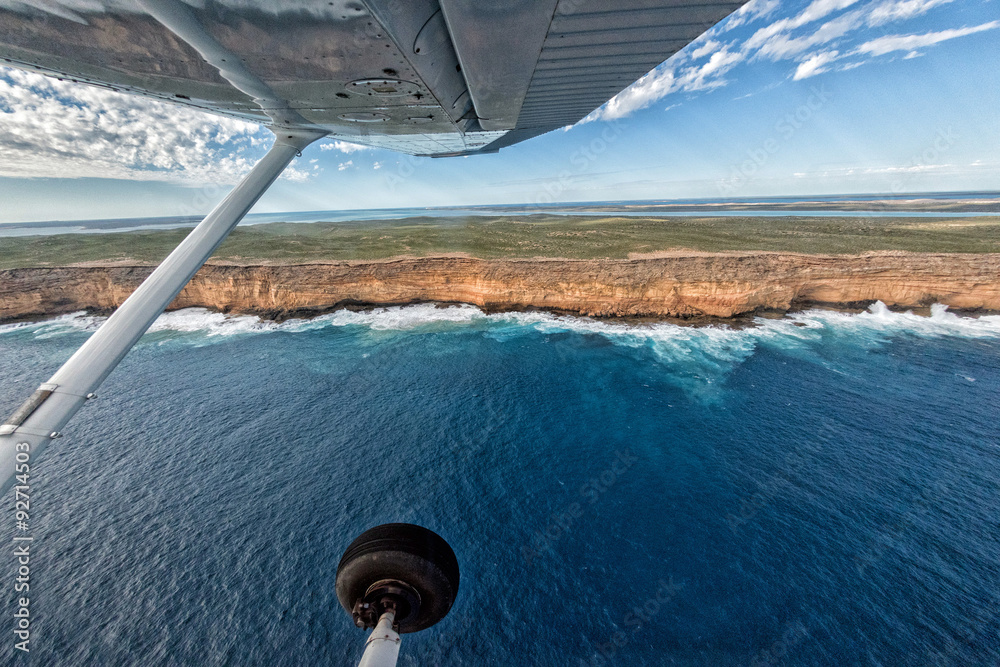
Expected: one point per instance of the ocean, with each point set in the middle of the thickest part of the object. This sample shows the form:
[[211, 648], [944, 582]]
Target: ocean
[[821, 489], [909, 205]]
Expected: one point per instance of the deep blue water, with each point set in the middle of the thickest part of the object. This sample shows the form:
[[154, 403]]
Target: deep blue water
[[818, 490]]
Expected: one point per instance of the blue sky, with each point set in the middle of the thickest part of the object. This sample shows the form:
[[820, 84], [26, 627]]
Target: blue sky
[[809, 97]]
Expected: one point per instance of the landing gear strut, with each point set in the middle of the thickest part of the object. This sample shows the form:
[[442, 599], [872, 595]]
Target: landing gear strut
[[43, 416]]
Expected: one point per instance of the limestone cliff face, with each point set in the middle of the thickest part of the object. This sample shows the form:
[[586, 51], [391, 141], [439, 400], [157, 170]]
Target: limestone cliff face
[[668, 285]]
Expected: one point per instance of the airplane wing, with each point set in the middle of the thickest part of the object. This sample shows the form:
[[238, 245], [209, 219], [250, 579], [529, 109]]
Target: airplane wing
[[424, 77]]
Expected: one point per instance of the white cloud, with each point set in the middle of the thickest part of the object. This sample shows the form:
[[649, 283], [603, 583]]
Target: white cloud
[[883, 45], [706, 48], [377, 165], [824, 31], [78, 10], [296, 175], [51, 128], [749, 13], [783, 46], [814, 65], [345, 165], [666, 80], [850, 66], [652, 87], [890, 170], [342, 146], [720, 63], [899, 10], [778, 30], [819, 9]]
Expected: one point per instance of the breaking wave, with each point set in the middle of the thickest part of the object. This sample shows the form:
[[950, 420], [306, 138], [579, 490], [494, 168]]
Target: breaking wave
[[671, 343]]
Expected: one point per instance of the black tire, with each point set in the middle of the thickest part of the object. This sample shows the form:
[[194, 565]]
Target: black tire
[[411, 554]]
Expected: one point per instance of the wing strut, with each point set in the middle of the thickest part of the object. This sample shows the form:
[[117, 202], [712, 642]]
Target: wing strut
[[40, 418]]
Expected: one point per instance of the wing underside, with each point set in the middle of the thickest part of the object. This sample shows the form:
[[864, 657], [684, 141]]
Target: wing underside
[[425, 77]]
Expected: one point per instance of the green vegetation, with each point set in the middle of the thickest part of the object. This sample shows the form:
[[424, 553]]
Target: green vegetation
[[579, 237]]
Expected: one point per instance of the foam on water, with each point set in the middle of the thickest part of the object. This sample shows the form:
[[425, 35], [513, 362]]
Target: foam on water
[[671, 342], [62, 325], [399, 318], [878, 319], [208, 323], [697, 359]]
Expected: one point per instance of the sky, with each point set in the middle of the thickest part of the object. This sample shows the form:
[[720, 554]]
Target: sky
[[781, 99]]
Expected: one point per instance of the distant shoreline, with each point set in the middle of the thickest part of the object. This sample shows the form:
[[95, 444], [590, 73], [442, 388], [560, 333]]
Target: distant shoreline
[[944, 203]]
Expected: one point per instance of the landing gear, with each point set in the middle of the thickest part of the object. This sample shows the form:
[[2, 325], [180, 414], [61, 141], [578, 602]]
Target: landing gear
[[396, 578]]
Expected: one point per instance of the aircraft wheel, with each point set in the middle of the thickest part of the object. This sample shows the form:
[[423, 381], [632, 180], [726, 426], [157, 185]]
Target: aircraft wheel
[[402, 567]]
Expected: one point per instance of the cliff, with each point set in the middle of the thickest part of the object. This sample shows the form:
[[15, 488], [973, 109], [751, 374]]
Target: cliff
[[676, 284]]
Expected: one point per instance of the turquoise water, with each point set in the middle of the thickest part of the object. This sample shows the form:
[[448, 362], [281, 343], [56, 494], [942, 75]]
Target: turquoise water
[[822, 489]]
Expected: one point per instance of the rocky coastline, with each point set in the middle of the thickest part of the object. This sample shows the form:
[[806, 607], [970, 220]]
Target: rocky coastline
[[676, 284]]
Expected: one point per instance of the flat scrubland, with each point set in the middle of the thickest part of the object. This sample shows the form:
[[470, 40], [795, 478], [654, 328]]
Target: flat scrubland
[[572, 237]]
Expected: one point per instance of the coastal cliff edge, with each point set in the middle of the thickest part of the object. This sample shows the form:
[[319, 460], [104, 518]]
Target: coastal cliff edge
[[674, 285]]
